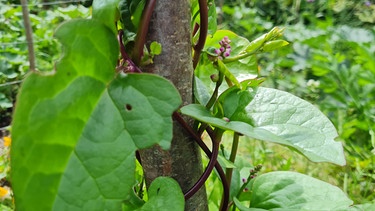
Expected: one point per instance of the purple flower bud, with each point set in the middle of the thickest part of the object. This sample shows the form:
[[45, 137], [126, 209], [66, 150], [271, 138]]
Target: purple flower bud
[[368, 3], [129, 69], [252, 176], [221, 43], [244, 180], [226, 119], [245, 189], [214, 77], [217, 51], [258, 167], [226, 54], [220, 57], [222, 49]]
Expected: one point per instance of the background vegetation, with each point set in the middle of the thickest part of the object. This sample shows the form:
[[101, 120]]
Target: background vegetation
[[330, 62]]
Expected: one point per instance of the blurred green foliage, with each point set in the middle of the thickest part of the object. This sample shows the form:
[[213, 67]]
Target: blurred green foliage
[[331, 63], [44, 17]]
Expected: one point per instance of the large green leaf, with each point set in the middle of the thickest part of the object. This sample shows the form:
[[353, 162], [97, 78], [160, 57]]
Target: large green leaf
[[295, 191], [75, 132], [275, 116], [164, 194]]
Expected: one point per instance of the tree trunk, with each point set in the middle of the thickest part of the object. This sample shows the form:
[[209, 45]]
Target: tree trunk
[[170, 26]]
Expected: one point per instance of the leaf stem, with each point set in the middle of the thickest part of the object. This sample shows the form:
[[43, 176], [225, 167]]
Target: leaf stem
[[203, 12], [212, 100], [232, 157], [140, 39]]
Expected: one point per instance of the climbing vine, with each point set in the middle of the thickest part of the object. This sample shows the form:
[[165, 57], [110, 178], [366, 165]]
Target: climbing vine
[[76, 132]]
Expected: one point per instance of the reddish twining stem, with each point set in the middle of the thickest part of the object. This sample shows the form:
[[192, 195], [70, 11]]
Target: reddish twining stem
[[207, 172], [203, 12], [226, 186], [125, 56], [140, 39], [219, 169], [195, 30]]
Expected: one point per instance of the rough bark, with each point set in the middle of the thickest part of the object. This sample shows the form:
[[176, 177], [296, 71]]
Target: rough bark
[[170, 26]]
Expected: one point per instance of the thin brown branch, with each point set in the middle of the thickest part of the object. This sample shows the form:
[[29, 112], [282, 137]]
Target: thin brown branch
[[29, 34]]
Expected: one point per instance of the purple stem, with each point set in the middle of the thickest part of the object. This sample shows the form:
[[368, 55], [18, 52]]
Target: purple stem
[[219, 169], [124, 55], [140, 39], [203, 12]]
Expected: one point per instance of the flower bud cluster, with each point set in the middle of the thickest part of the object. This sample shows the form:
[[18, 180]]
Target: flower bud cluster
[[129, 68], [253, 174], [225, 49]]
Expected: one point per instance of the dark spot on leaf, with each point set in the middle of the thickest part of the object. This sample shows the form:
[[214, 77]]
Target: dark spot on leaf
[[128, 107], [157, 192]]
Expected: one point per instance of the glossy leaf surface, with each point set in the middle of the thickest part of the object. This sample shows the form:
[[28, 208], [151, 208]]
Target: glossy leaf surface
[[275, 116], [295, 191]]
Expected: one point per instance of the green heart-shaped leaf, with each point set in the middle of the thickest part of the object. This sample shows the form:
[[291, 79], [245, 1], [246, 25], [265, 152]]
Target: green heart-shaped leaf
[[75, 132]]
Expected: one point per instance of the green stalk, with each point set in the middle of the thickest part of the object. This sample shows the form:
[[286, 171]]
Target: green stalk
[[232, 157], [239, 56], [212, 100]]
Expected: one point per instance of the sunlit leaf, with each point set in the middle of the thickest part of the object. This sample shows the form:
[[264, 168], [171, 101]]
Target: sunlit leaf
[[295, 191], [275, 116]]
